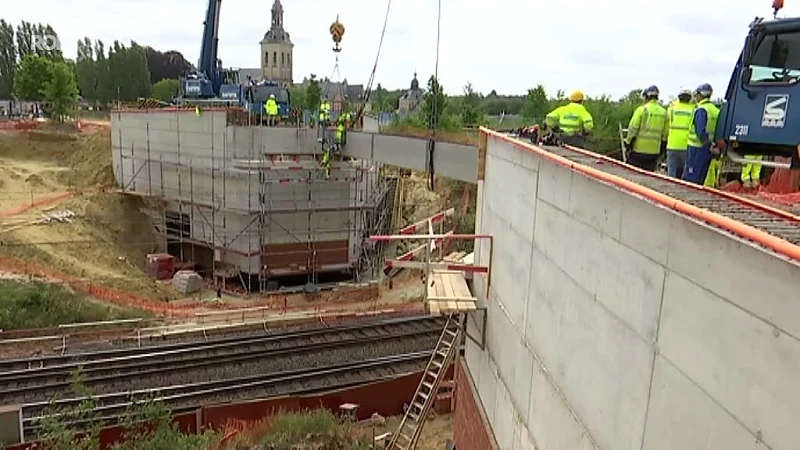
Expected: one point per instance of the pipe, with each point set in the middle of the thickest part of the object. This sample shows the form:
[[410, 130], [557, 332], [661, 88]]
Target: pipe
[[737, 158]]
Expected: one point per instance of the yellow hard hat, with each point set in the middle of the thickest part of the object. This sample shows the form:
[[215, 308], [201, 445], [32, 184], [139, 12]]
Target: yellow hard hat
[[576, 96]]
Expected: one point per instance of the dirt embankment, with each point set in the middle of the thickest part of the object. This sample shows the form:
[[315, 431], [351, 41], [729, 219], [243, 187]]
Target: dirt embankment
[[107, 239]]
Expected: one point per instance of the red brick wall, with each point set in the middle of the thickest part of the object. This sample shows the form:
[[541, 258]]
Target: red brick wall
[[471, 429]]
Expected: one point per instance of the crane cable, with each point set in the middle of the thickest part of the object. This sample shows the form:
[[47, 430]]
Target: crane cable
[[433, 125], [368, 89]]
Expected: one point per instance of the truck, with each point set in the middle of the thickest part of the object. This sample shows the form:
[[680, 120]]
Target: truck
[[756, 112]]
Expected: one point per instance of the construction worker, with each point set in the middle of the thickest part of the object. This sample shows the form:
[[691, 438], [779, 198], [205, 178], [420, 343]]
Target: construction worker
[[342, 123], [679, 117], [647, 132], [324, 112], [571, 121], [751, 172], [701, 149], [272, 110], [197, 111]]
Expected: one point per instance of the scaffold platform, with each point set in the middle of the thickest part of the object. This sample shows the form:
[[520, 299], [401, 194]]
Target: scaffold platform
[[447, 292]]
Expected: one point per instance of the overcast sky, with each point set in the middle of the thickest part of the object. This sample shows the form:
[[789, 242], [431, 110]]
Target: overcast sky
[[609, 46]]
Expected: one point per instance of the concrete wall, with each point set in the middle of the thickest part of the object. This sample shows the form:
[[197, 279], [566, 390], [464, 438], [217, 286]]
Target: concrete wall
[[617, 324]]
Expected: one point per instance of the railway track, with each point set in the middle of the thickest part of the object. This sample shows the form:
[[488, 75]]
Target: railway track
[[774, 223], [111, 408], [41, 362], [171, 364]]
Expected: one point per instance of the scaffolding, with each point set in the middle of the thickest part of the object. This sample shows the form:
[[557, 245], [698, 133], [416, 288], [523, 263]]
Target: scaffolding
[[261, 212]]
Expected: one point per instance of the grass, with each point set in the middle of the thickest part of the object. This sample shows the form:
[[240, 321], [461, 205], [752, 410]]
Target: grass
[[310, 429], [36, 304]]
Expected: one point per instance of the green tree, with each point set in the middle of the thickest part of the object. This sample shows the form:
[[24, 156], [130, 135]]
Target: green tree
[[471, 113], [60, 90], [536, 104], [165, 89], [103, 86], [298, 97], [434, 103], [86, 70], [33, 73], [313, 93], [8, 59]]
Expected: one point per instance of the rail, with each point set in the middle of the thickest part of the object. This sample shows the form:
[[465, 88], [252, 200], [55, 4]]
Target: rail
[[190, 396], [768, 227]]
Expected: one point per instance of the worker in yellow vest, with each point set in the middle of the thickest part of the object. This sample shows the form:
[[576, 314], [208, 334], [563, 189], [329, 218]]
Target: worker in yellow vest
[[701, 149], [751, 172], [679, 117], [572, 122], [647, 132], [342, 123], [324, 112], [272, 110]]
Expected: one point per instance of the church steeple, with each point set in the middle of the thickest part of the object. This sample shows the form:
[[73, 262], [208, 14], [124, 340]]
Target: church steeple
[[277, 15]]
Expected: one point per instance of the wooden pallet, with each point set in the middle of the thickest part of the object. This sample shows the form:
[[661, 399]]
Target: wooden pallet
[[448, 292]]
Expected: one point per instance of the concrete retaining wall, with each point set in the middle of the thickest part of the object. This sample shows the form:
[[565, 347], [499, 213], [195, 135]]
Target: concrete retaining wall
[[617, 324]]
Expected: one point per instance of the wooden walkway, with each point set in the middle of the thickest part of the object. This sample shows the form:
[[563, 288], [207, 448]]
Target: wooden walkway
[[448, 292]]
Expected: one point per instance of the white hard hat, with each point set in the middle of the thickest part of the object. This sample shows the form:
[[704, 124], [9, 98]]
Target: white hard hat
[[684, 91], [271, 95]]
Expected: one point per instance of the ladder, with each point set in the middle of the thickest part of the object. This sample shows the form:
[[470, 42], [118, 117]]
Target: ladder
[[408, 432]]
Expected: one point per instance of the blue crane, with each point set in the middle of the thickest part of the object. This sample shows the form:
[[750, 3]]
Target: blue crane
[[757, 117]]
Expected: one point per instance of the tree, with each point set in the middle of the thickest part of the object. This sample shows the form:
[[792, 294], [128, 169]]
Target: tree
[[60, 90], [8, 59], [471, 113], [434, 103], [298, 97], [86, 70], [536, 104], [166, 65], [165, 89], [313, 93], [31, 76]]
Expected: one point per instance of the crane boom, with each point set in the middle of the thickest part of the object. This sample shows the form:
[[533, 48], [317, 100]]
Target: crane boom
[[207, 64]]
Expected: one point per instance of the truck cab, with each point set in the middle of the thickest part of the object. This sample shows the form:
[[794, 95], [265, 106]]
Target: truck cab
[[758, 111]]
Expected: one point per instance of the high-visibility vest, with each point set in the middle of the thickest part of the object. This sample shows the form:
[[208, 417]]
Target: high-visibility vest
[[571, 118], [272, 107], [649, 127], [324, 110], [712, 113], [680, 118]]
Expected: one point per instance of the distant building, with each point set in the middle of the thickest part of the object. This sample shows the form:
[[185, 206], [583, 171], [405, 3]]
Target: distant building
[[276, 50], [411, 99], [337, 93], [276, 53]]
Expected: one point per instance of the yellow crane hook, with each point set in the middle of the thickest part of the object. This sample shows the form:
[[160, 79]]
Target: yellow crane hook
[[337, 31]]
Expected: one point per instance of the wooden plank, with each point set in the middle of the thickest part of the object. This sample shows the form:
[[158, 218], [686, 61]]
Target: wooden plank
[[450, 292], [454, 298]]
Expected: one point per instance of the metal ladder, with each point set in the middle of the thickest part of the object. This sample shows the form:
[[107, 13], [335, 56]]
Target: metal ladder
[[408, 432]]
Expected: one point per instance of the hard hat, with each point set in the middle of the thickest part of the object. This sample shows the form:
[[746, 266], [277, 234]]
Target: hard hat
[[651, 91], [271, 95], [577, 96], [704, 90], [684, 91]]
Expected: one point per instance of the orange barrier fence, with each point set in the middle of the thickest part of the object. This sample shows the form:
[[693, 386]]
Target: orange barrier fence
[[41, 201]]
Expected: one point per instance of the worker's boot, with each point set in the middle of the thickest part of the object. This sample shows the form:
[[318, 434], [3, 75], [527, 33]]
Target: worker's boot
[[747, 184]]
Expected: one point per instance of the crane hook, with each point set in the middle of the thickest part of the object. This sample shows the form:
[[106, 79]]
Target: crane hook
[[337, 32]]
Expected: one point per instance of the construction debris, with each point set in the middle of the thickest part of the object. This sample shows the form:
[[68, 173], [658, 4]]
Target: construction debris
[[187, 281], [57, 216]]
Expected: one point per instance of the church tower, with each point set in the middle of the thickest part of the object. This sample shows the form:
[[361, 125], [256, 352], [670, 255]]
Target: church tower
[[276, 50]]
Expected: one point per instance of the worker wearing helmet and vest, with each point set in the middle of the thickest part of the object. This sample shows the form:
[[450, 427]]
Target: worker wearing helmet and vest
[[571, 121], [647, 132], [679, 117], [324, 112], [272, 110], [701, 149], [342, 123]]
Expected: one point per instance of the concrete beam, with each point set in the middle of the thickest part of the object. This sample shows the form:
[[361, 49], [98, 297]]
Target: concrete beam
[[456, 161]]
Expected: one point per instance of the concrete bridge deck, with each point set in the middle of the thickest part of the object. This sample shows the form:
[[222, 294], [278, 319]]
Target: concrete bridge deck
[[623, 313]]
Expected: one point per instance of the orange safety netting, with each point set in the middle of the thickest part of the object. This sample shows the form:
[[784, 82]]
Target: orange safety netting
[[41, 201]]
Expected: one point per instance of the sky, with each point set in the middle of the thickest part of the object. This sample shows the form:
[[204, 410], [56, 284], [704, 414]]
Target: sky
[[607, 47]]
